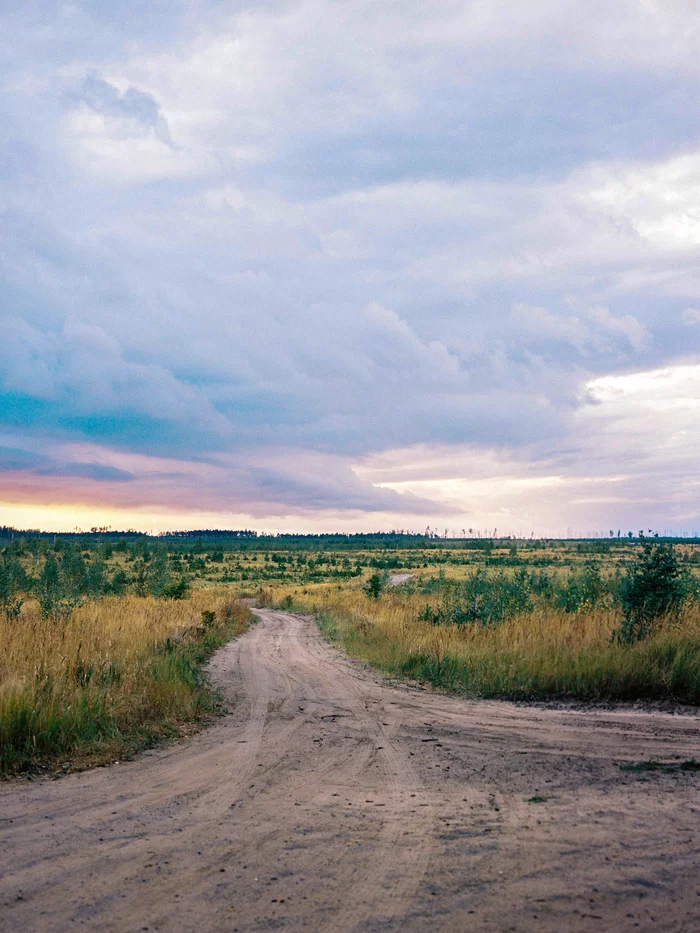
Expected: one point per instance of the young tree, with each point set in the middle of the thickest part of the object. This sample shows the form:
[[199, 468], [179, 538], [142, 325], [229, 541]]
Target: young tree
[[12, 581], [653, 588], [377, 583]]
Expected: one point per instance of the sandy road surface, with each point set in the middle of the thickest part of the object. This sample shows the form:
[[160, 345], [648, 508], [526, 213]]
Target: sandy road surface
[[329, 801]]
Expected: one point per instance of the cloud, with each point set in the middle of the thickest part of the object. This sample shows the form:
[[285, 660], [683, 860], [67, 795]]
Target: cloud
[[592, 331], [131, 105], [18, 460], [258, 264]]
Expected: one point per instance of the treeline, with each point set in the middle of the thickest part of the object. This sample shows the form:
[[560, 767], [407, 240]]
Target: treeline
[[202, 540]]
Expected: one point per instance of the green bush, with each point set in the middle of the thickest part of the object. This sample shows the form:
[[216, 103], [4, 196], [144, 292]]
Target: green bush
[[12, 582], [175, 588], [481, 598], [654, 587], [59, 586], [583, 590], [376, 584]]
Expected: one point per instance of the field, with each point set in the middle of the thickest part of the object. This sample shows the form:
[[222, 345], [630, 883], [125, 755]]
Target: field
[[102, 637], [118, 675], [330, 798]]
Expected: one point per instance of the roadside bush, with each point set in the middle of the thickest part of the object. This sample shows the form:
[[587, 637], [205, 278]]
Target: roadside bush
[[376, 584], [584, 589], [482, 599], [264, 598], [655, 587]]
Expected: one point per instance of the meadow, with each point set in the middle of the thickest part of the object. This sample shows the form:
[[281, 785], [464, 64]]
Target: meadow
[[103, 636], [116, 675]]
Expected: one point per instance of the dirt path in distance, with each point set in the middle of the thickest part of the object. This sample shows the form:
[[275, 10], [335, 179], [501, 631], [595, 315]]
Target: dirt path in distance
[[396, 579], [328, 800]]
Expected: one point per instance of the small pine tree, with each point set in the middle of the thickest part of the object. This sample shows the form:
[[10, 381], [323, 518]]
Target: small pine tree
[[58, 588], [653, 588], [49, 585], [12, 579], [377, 583]]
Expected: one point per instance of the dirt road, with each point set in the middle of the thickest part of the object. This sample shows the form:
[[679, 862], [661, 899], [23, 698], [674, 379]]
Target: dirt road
[[329, 801], [396, 579]]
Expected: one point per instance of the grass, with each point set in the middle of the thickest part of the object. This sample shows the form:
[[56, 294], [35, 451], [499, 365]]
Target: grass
[[667, 767], [544, 654], [121, 675]]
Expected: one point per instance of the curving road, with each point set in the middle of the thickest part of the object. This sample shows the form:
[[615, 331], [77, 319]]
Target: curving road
[[329, 801]]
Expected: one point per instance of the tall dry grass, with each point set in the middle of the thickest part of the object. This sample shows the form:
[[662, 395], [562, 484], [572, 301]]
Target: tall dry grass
[[538, 655], [121, 673]]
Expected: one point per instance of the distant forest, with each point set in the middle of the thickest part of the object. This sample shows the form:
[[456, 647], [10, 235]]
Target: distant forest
[[205, 539]]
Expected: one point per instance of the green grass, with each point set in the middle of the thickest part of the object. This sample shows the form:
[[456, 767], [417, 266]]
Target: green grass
[[667, 767]]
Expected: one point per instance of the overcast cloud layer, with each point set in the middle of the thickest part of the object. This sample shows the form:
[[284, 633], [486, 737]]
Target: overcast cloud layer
[[350, 265]]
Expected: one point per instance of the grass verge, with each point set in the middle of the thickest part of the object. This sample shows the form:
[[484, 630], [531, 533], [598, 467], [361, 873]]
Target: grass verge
[[667, 767], [121, 675], [536, 656]]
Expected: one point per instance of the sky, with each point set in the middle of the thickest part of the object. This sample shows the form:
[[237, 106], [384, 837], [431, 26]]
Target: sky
[[339, 265]]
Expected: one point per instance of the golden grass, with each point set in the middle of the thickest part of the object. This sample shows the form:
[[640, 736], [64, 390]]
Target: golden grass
[[120, 674], [543, 654]]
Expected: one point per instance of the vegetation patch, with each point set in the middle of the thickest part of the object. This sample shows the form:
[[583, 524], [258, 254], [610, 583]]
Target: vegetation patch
[[667, 767], [529, 634], [116, 675], [102, 635]]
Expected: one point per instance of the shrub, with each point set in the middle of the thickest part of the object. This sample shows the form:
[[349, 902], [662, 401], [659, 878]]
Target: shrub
[[120, 581], [583, 590], [12, 580], [482, 599], [376, 584], [175, 588], [264, 598], [208, 618], [542, 584], [653, 588], [59, 588]]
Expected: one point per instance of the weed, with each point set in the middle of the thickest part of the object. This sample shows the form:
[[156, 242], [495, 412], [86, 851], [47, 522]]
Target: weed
[[667, 767]]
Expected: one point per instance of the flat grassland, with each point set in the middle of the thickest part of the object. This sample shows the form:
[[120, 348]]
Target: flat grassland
[[102, 639]]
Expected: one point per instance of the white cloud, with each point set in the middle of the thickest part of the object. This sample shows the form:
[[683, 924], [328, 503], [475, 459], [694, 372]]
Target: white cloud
[[659, 201]]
